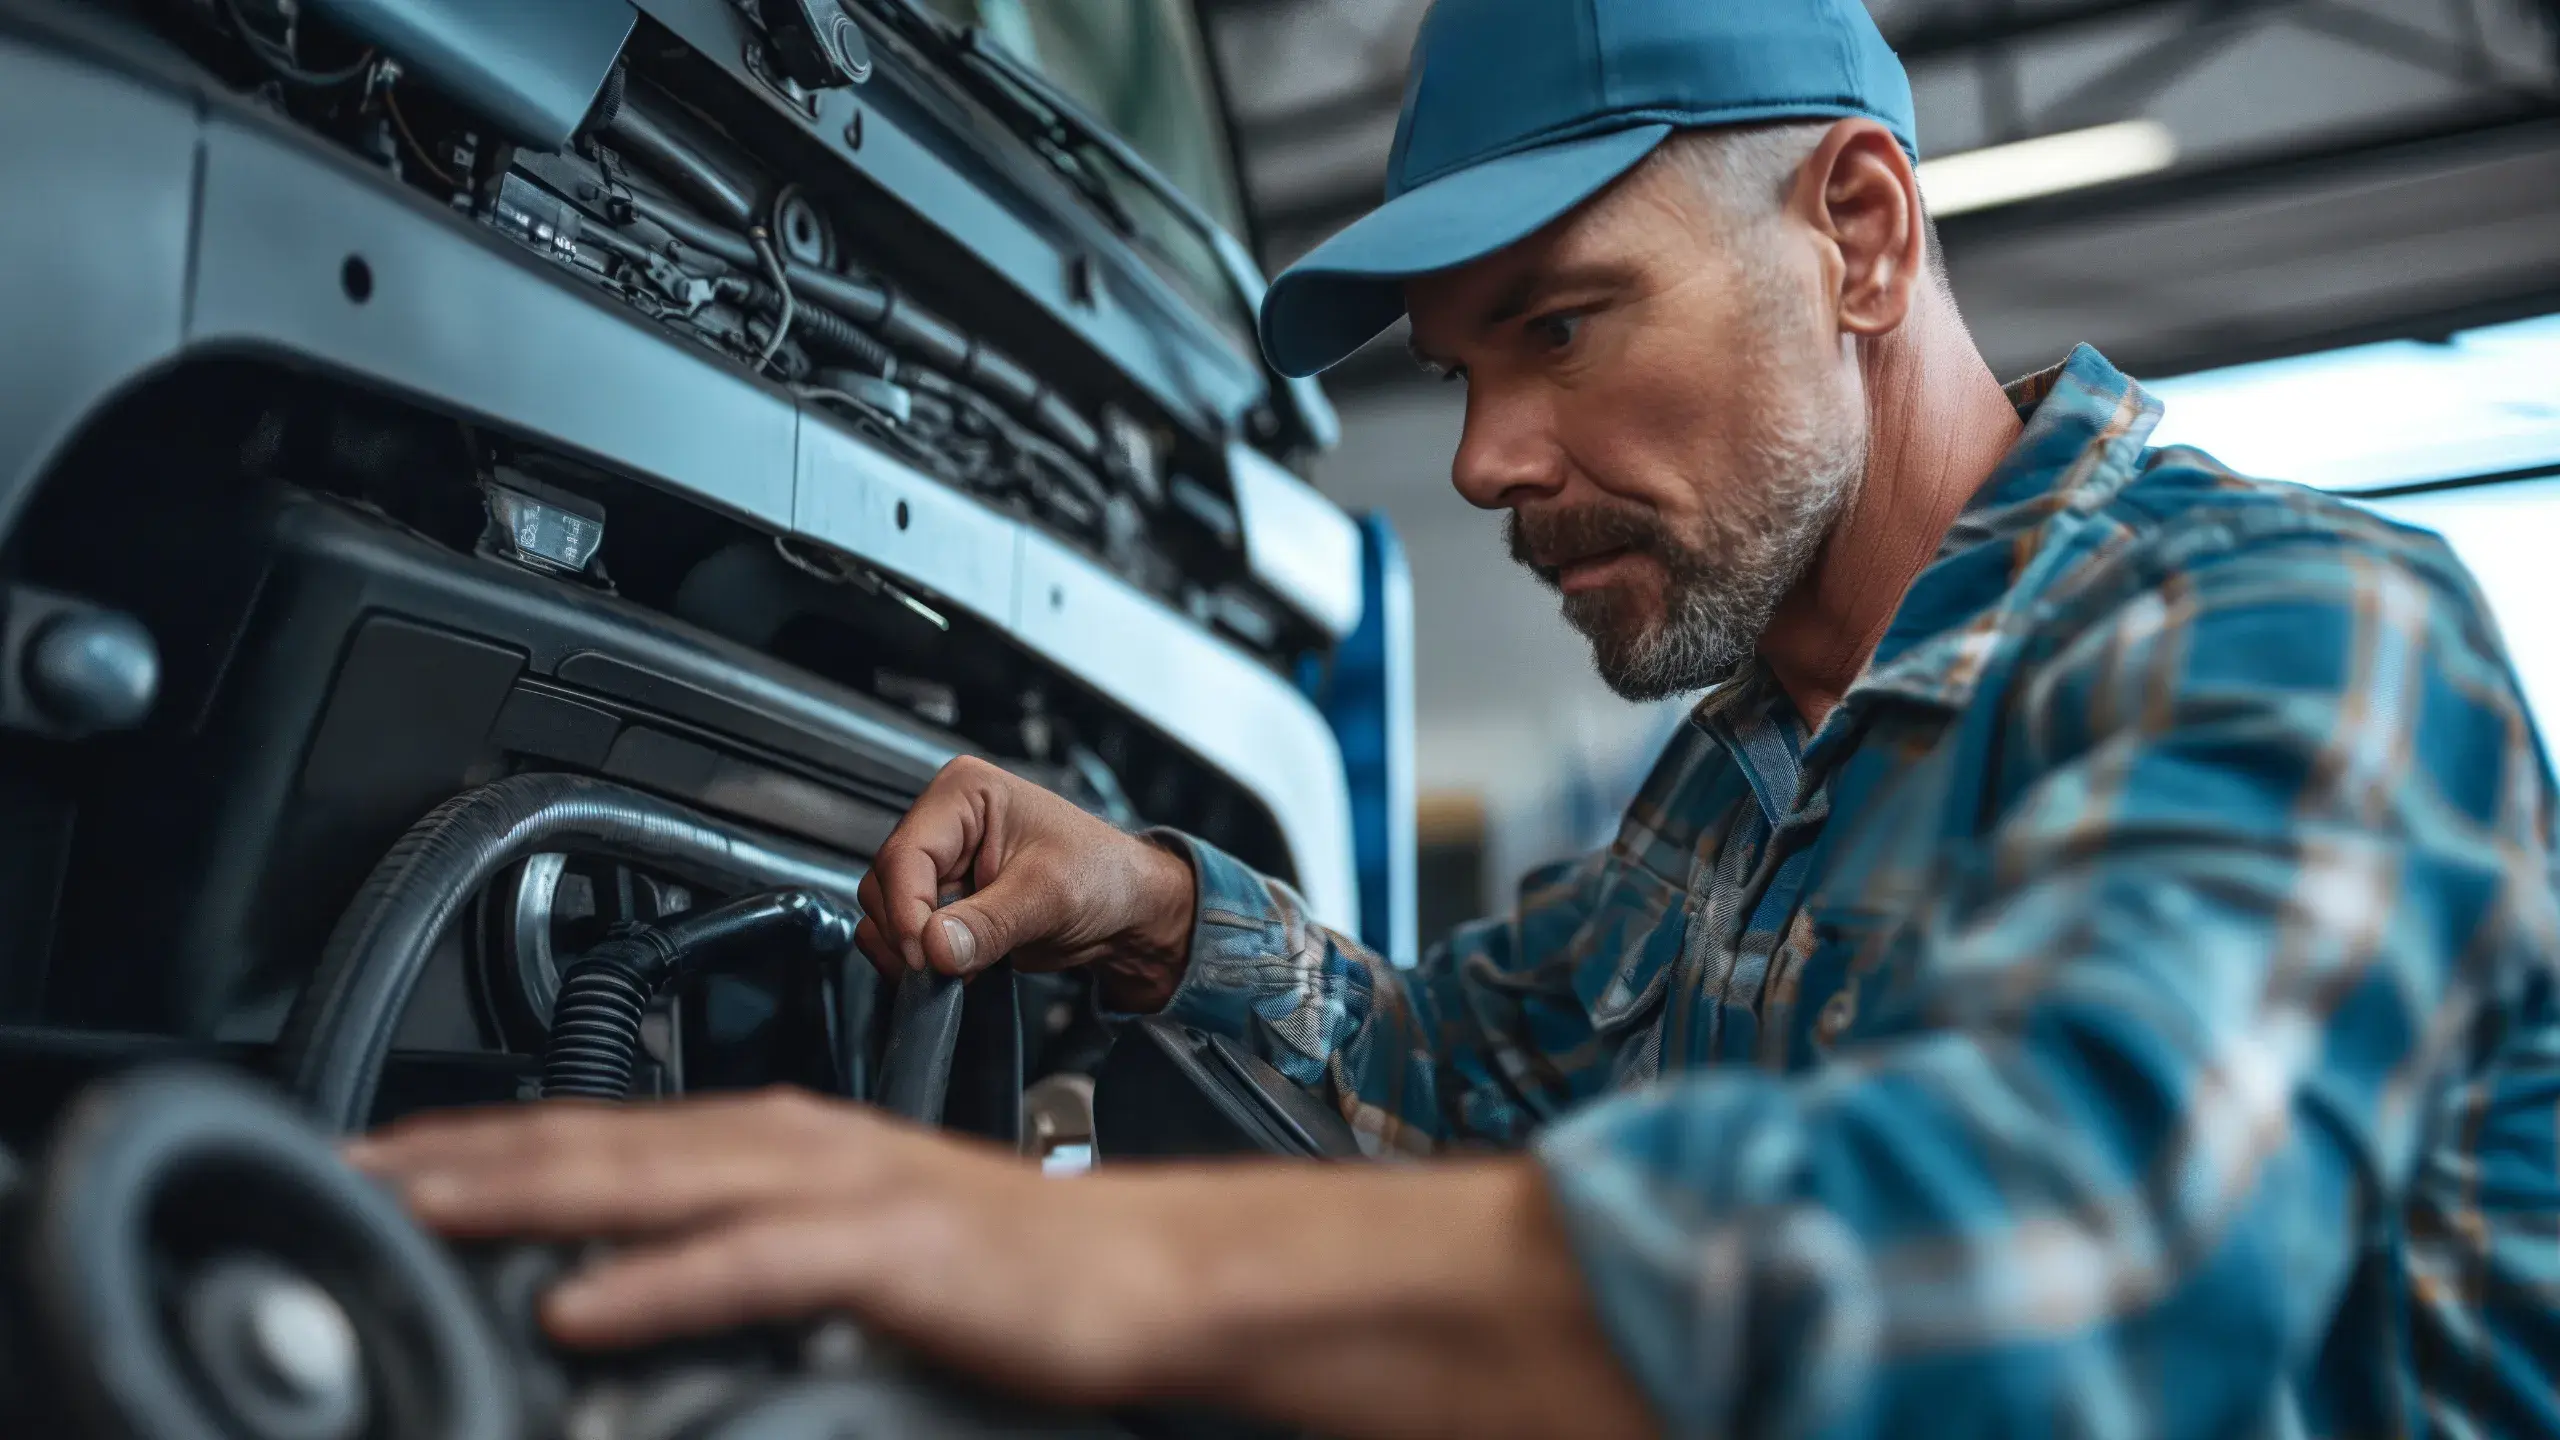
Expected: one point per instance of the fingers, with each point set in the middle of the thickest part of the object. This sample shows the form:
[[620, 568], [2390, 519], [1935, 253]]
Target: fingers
[[876, 948], [574, 1170], [971, 934], [937, 843], [767, 1268]]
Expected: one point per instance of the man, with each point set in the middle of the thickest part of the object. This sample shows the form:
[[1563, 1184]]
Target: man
[[2086, 969]]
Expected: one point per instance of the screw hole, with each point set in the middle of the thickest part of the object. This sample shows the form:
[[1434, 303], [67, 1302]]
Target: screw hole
[[902, 514], [1057, 597], [356, 278]]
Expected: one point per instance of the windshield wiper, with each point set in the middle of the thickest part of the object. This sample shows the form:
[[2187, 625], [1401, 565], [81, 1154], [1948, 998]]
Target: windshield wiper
[[1065, 134]]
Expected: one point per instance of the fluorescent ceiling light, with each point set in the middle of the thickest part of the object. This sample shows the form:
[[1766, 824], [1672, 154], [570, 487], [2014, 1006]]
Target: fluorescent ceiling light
[[2046, 165], [2403, 412]]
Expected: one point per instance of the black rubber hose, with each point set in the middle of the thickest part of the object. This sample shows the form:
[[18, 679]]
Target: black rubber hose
[[695, 231], [594, 1045], [340, 1030], [924, 1035], [830, 336], [644, 126], [995, 373], [903, 326], [1058, 418], [862, 303], [925, 335]]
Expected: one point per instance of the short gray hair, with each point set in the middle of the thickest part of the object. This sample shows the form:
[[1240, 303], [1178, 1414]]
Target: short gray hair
[[1748, 170]]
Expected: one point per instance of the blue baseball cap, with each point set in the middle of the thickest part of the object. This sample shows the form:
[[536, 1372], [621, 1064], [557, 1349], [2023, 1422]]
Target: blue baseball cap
[[1516, 111]]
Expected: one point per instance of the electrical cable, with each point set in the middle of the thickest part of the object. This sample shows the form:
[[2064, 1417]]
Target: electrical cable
[[284, 63], [862, 408], [763, 241], [400, 122]]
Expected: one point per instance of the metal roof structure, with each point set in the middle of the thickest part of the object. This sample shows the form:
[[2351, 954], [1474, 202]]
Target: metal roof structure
[[2327, 171]]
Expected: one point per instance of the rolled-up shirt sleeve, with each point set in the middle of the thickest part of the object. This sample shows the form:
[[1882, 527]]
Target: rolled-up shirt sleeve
[[1462, 1048]]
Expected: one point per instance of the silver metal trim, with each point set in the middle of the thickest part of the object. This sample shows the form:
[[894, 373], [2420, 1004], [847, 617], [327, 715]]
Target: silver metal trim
[[1229, 710], [104, 266], [1209, 697], [537, 970], [853, 496], [449, 318], [93, 245], [1296, 541]]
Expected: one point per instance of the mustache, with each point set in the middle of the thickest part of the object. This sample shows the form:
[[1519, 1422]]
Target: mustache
[[1548, 540]]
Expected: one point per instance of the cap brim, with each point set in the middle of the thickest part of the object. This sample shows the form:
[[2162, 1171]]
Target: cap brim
[[1351, 287]]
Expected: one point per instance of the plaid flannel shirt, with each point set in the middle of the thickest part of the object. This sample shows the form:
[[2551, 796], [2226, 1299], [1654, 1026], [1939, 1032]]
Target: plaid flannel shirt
[[2131, 1013]]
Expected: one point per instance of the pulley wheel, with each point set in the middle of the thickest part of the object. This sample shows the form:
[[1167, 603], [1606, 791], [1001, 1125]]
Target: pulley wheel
[[201, 1266]]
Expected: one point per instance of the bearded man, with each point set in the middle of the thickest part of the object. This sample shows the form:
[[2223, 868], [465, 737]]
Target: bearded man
[[2086, 967]]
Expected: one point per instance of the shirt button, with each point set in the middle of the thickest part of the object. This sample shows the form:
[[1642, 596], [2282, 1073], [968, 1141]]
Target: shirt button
[[1838, 1013]]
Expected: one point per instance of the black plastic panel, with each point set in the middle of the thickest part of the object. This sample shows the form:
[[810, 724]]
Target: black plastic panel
[[40, 1070], [604, 674], [373, 676], [654, 760], [411, 709], [1170, 1090], [543, 723]]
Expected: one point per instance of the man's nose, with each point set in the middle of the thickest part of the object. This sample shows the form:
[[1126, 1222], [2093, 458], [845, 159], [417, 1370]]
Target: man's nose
[[1507, 455]]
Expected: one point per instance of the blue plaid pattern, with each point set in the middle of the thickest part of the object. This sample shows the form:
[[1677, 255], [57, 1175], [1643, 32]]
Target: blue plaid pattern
[[2130, 1014]]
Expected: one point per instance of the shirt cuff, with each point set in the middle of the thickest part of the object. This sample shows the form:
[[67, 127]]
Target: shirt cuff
[[1737, 1308], [1239, 921]]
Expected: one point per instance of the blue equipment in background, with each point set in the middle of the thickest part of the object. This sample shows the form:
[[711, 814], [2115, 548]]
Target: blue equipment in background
[[1368, 699]]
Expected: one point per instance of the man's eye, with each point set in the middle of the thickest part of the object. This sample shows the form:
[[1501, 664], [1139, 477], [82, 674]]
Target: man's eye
[[1556, 332]]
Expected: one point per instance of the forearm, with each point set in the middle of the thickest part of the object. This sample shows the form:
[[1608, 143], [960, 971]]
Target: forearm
[[1354, 1302]]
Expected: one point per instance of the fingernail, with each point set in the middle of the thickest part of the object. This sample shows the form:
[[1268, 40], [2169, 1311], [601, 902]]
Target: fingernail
[[964, 944]]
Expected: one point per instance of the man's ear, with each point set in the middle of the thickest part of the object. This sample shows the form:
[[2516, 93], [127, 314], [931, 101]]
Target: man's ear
[[1858, 192]]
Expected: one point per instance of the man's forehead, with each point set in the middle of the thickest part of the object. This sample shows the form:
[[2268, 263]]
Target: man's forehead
[[1450, 306], [1471, 294]]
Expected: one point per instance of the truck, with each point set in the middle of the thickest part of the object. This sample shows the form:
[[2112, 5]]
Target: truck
[[486, 488]]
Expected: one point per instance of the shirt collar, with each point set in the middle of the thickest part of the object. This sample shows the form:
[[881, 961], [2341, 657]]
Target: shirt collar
[[2086, 425]]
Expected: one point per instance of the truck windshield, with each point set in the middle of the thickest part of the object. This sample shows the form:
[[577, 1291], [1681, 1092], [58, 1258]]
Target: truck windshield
[[1140, 66]]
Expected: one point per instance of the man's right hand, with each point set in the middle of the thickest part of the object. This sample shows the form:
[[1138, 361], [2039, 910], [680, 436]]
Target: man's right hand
[[1040, 882]]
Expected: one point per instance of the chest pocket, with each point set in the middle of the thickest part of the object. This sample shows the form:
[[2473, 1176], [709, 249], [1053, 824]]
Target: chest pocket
[[1904, 863], [1629, 985]]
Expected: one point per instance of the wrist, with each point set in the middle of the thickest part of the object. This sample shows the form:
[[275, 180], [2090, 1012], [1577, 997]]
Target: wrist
[[1147, 966]]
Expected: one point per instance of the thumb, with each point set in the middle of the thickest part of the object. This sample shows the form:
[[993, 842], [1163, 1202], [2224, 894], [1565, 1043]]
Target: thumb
[[972, 933]]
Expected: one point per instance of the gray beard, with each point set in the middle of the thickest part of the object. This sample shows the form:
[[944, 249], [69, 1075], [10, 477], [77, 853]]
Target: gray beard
[[1723, 592]]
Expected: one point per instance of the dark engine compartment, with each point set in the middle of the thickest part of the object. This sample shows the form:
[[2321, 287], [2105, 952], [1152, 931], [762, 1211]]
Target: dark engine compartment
[[362, 604], [628, 448], [334, 668]]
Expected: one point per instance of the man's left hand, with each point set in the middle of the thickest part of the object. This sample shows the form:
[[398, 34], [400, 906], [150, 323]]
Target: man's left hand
[[1434, 1299], [778, 1206]]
